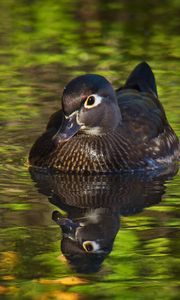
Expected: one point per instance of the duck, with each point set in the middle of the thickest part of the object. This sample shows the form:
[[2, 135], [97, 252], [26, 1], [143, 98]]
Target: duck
[[87, 236], [93, 206], [103, 130]]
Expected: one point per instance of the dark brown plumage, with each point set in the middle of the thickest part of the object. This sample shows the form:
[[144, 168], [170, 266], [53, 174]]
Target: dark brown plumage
[[93, 206], [101, 131]]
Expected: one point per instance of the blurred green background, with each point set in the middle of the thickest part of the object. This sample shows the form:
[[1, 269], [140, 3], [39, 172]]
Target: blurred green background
[[44, 44]]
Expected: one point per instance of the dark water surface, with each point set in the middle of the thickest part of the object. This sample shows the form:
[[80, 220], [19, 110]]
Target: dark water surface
[[44, 44]]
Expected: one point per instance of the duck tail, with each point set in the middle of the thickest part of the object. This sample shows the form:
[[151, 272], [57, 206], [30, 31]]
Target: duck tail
[[142, 79]]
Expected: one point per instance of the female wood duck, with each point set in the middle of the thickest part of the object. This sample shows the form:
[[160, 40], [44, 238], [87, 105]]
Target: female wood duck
[[100, 130]]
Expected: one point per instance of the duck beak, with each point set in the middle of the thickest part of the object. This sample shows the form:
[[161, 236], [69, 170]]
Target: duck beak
[[68, 129], [67, 225]]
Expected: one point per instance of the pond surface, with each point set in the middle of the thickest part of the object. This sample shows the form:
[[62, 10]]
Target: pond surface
[[43, 46]]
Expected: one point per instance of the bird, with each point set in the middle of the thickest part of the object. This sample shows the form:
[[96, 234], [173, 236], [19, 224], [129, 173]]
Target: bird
[[87, 239], [93, 205], [103, 130]]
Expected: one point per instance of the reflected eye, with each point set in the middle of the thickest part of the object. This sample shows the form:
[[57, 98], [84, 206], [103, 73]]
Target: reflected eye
[[92, 100], [90, 246]]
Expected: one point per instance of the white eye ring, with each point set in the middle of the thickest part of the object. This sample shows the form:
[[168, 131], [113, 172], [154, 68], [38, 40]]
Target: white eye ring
[[97, 100], [91, 246]]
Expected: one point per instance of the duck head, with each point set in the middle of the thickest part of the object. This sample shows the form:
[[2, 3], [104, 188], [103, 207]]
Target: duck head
[[90, 106], [87, 239]]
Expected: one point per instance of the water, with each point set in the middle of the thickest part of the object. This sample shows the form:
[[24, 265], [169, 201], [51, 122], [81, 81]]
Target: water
[[43, 45]]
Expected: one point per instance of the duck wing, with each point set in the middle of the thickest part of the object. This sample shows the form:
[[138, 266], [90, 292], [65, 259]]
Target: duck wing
[[45, 144], [55, 120], [142, 79], [143, 116]]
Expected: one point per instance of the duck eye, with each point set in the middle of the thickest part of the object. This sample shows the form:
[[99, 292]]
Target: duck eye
[[90, 101], [90, 246]]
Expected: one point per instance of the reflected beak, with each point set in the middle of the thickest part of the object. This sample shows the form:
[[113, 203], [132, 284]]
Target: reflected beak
[[68, 129], [67, 225]]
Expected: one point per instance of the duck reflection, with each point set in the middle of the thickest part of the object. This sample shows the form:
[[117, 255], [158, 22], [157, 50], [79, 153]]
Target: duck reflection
[[94, 204], [88, 236]]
